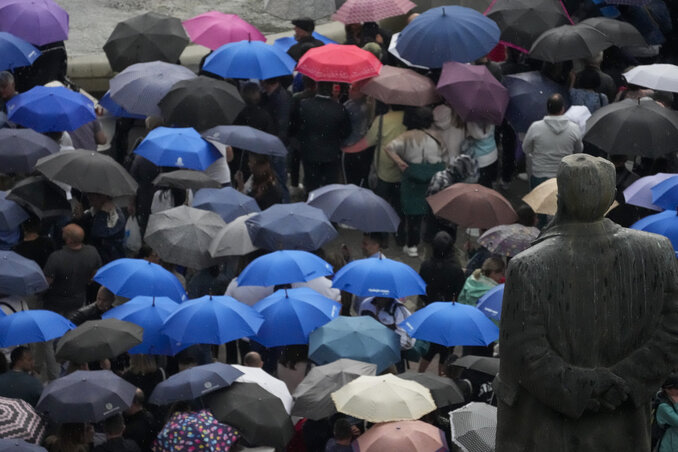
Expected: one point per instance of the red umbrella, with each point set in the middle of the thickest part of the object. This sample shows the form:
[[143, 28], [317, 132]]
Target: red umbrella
[[339, 63], [214, 29], [472, 206], [400, 86], [473, 92], [358, 11]]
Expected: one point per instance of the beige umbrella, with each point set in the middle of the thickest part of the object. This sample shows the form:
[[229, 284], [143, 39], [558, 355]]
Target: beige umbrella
[[383, 398], [403, 436], [544, 198], [233, 240]]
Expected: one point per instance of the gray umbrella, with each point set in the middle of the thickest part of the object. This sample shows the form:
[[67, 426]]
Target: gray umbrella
[[182, 235], [41, 197], [89, 172], [98, 339], [569, 42], [444, 391], [185, 179], [294, 9], [484, 364], [20, 149], [621, 33], [312, 397]]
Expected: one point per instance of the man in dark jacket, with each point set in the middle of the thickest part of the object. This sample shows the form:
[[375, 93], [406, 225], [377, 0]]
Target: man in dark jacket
[[114, 426], [93, 311], [277, 101], [303, 34]]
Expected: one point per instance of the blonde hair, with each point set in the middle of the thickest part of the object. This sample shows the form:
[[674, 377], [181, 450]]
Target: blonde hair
[[142, 364]]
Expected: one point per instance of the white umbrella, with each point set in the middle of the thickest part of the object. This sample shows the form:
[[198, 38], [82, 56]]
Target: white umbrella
[[662, 77], [474, 427], [276, 387], [233, 239]]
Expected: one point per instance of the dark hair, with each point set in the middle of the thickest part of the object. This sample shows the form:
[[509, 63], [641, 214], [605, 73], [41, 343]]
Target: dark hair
[[263, 175], [442, 245], [671, 382], [114, 425], [250, 93], [664, 97], [369, 32], [31, 225], [589, 79], [17, 355], [144, 252], [377, 237], [3, 363], [342, 429], [526, 215], [555, 104], [418, 118]]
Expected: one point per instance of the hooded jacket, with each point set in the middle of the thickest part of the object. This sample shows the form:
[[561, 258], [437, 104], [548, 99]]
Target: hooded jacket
[[449, 133], [548, 141]]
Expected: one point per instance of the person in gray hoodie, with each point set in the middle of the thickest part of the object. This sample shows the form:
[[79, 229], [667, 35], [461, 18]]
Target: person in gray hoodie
[[549, 140]]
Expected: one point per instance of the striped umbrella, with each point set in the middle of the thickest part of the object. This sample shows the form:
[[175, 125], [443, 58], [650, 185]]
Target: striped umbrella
[[18, 420]]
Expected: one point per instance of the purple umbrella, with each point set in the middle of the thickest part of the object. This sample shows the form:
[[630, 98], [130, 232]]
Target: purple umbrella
[[639, 193], [473, 92], [39, 22]]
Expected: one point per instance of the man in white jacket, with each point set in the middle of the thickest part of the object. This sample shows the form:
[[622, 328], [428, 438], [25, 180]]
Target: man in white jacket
[[549, 140]]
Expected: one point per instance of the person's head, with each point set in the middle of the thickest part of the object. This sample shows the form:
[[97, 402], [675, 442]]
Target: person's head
[[589, 79], [382, 302], [262, 172], [7, 89], [31, 226], [664, 98], [353, 31], [73, 235], [138, 402], [595, 60], [185, 360], [72, 366], [411, 17], [270, 84], [375, 49], [74, 434], [148, 254], [114, 426], [21, 359], [303, 27], [105, 299], [142, 364], [97, 200], [372, 243], [418, 118], [253, 359], [251, 93], [526, 215], [442, 245], [493, 268], [555, 105], [309, 83], [670, 386], [341, 431]]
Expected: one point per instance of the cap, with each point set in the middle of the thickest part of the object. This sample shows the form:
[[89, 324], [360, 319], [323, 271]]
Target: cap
[[305, 23]]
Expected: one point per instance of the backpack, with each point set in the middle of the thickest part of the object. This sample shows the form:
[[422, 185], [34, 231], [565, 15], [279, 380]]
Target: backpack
[[657, 430]]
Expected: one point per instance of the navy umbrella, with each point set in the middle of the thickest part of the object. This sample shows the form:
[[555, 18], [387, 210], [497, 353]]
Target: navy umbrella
[[11, 214], [20, 149], [40, 197], [50, 109], [132, 277], [247, 138], [20, 276], [528, 93], [16, 52], [227, 202], [195, 382]]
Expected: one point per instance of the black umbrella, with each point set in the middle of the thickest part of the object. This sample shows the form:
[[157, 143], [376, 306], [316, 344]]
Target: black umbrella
[[522, 21], [634, 127], [201, 103], [621, 33], [484, 364], [20, 149], [444, 391], [98, 339], [86, 396], [41, 197], [144, 38], [569, 42], [259, 415], [185, 179], [195, 382], [19, 445]]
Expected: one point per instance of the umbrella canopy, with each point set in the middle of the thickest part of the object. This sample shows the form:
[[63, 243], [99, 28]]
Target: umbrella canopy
[[140, 87], [227, 202], [379, 277], [360, 338], [185, 179], [393, 50], [194, 382], [473, 92], [26, 327], [50, 109], [271, 384], [288, 41], [447, 33], [233, 240], [569, 42], [312, 396], [89, 172], [403, 436], [544, 197], [633, 127], [662, 77], [359, 11], [98, 339], [39, 22], [115, 109], [196, 431], [18, 420], [20, 276], [508, 239], [639, 193], [450, 324], [132, 277], [20, 149], [201, 102], [182, 235], [248, 138], [293, 9], [528, 93], [214, 29], [86, 396], [249, 59], [40, 197], [19, 445], [383, 398], [522, 21], [664, 223], [16, 52], [444, 391], [180, 148], [472, 206], [221, 319], [355, 206], [484, 364], [621, 33], [338, 63], [144, 38], [291, 314], [284, 267], [665, 193], [490, 303], [290, 226], [401, 86], [256, 413], [474, 426], [11, 214]]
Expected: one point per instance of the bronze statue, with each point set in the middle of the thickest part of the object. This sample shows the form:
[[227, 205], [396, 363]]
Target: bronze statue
[[589, 326]]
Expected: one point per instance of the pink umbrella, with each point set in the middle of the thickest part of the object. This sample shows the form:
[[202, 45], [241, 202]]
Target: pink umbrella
[[401, 86], [214, 29], [473, 92], [339, 63], [358, 11]]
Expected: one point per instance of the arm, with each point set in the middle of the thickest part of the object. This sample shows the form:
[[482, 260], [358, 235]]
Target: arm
[[528, 142], [667, 415], [393, 150]]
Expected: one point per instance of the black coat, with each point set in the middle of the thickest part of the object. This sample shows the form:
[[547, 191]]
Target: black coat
[[321, 125]]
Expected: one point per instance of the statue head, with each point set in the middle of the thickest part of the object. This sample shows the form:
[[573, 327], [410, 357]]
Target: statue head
[[586, 188]]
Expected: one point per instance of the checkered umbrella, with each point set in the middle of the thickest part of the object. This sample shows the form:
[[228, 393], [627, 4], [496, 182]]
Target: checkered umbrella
[[18, 420], [474, 427]]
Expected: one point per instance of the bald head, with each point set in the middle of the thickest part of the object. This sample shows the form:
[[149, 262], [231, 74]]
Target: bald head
[[253, 359], [73, 235]]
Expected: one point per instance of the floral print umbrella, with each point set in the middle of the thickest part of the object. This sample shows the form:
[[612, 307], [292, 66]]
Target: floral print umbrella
[[195, 431]]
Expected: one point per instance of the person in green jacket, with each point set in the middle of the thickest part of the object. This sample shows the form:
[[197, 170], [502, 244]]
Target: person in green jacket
[[667, 415], [481, 280]]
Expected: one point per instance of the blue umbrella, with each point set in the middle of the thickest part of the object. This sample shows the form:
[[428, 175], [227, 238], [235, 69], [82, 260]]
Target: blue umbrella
[[26, 327], [528, 93], [20, 149], [290, 226], [227, 202], [284, 267], [220, 320], [665, 193], [247, 138], [663, 223], [50, 109], [195, 382], [115, 109], [178, 147], [149, 313], [249, 59], [447, 33], [291, 314], [15, 52], [490, 303], [11, 214], [132, 277], [355, 206], [20, 276], [288, 41], [359, 338], [379, 277], [450, 324]]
